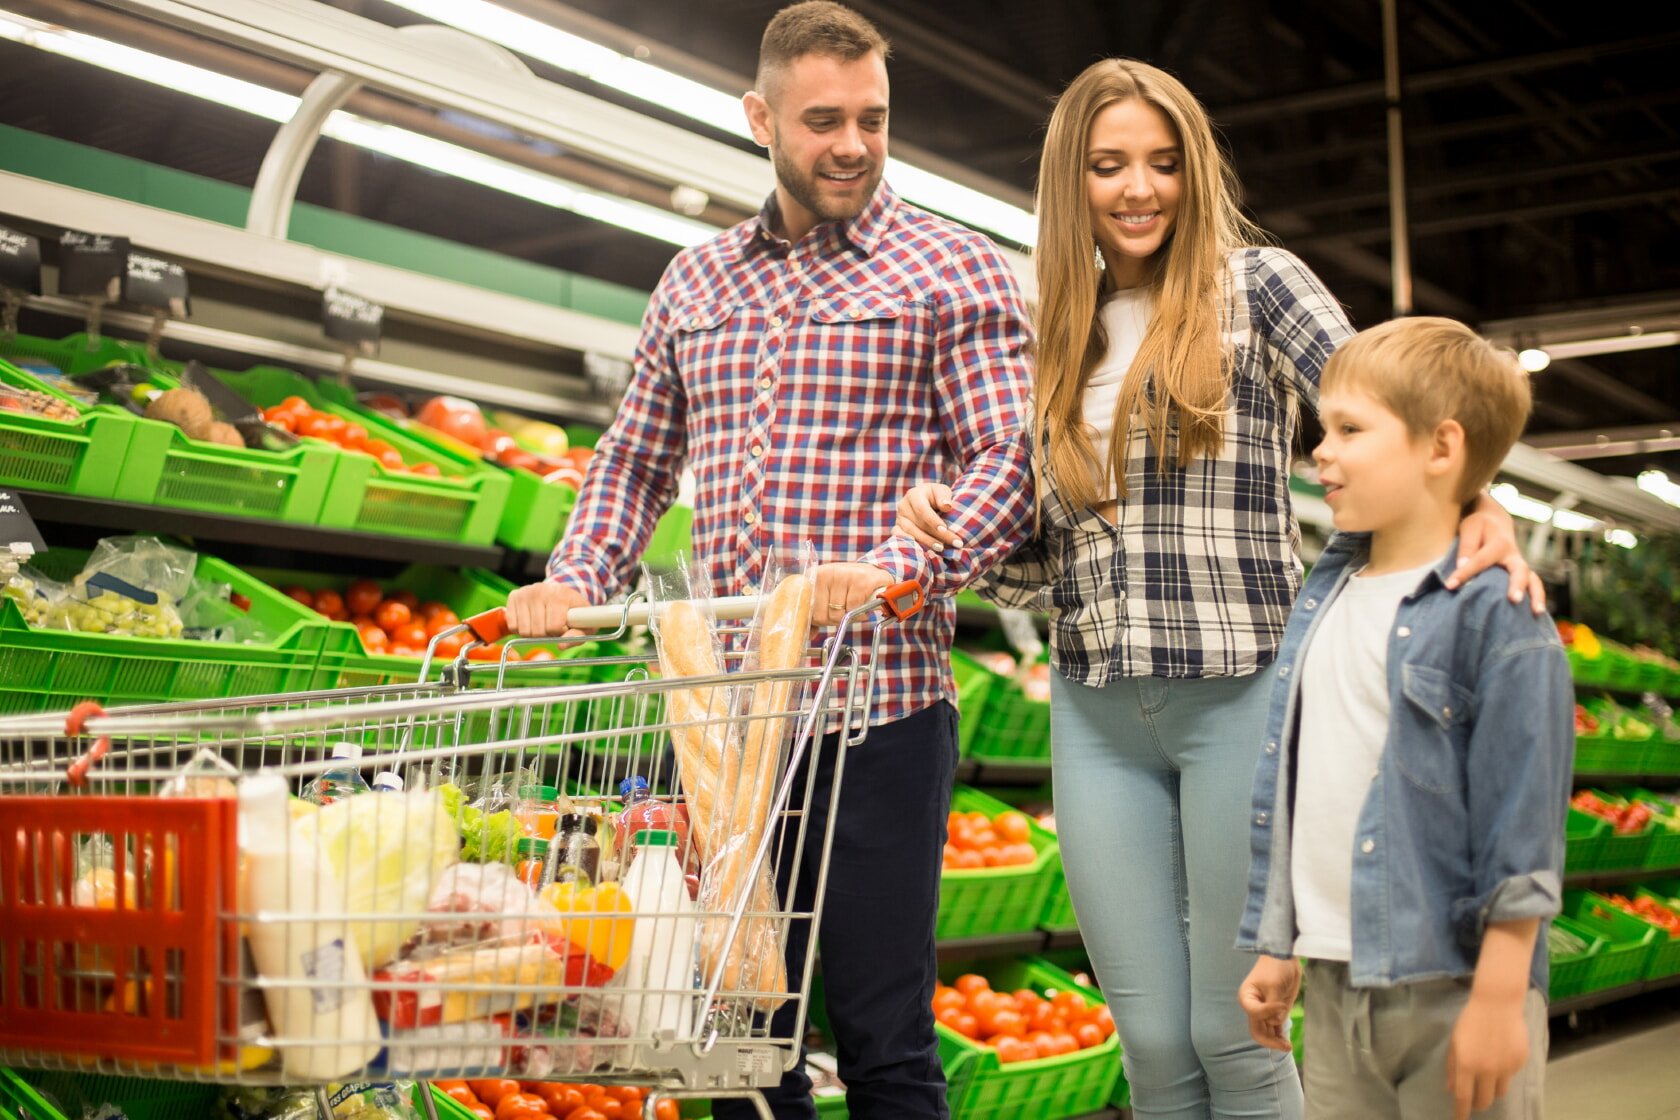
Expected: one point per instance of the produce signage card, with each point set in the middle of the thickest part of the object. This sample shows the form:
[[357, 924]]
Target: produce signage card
[[16, 526], [20, 261], [91, 264], [158, 284], [348, 318]]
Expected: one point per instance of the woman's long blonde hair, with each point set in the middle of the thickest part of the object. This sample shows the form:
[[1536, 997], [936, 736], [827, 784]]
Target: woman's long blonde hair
[[1181, 369]]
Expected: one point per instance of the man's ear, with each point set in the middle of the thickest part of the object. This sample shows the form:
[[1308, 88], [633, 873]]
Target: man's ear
[[758, 116]]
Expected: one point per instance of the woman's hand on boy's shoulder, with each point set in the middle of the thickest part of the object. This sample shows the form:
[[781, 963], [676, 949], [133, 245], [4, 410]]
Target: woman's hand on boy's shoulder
[[1487, 538]]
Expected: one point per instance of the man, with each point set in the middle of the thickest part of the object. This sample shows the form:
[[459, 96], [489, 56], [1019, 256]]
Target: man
[[812, 364]]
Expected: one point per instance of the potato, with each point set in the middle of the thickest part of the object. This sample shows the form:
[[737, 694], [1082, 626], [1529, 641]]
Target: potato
[[186, 409], [223, 432]]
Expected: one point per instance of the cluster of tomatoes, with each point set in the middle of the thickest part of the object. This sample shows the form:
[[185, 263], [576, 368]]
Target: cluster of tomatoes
[[1628, 817], [1653, 911], [295, 415], [506, 1099], [1022, 1025], [399, 624], [975, 840]]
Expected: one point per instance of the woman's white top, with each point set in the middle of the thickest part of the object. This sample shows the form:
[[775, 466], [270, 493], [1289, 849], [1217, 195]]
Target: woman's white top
[[1126, 316]]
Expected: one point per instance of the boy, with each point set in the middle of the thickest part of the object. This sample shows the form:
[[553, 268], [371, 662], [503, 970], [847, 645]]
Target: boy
[[1407, 828]]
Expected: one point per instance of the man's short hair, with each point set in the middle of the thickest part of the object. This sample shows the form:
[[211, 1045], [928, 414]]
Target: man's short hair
[[815, 27], [1426, 370]]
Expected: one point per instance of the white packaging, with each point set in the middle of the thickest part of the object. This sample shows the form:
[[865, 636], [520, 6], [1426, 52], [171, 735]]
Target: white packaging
[[284, 880], [660, 967]]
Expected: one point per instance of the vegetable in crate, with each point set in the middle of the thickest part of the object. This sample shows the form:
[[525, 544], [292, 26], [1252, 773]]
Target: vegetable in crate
[[1585, 722], [1653, 911], [36, 404], [1561, 943], [978, 841], [1022, 1025], [1628, 817]]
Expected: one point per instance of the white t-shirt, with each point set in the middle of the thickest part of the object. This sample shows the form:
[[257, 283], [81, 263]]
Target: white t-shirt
[[1126, 315], [1344, 726]]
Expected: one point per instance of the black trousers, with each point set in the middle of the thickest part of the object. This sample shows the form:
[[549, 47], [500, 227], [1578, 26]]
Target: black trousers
[[878, 961]]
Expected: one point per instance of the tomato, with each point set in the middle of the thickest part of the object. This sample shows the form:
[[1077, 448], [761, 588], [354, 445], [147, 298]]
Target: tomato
[[407, 598], [562, 1098], [1009, 1022], [971, 982], [520, 1106], [363, 597], [393, 616], [1043, 1043], [1104, 1018], [295, 404], [302, 595], [1010, 1049], [950, 1017], [1021, 853], [314, 425], [331, 604], [485, 653], [374, 638], [492, 1090], [968, 1025], [948, 997], [457, 1091], [626, 1094], [991, 855], [376, 447], [667, 1110], [1043, 1013], [540, 654], [608, 1107], [1012, 827], [969, 861], [413, 634], [450, 648], [1088, 1035], [354, 436], [427, 470], [440, 621], [585, 1113], [1069, 1002], [481, 1112]]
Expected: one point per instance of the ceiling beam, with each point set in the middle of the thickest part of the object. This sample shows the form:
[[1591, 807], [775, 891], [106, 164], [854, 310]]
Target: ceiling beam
[[1609, 443], [1602, 385], [1436, 227]]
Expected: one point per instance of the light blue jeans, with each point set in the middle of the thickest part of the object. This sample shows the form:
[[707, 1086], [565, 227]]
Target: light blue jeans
[[1153, 779]]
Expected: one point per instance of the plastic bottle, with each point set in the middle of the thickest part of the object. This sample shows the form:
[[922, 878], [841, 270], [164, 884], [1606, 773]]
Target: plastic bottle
[[387, 781], [643, 811], [533, 866], [340, 781], [283, 879], [538, 809], [575, 854], [660, 966]]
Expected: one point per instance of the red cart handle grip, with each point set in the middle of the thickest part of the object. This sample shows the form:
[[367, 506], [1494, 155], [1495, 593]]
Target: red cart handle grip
[[489, 627], [902, 599], [73, 725]]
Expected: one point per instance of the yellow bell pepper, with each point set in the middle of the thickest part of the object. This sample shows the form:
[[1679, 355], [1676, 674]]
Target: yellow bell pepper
[[604, 937]]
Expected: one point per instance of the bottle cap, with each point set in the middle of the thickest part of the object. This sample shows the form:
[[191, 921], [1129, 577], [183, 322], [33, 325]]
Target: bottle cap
[[531, 846], [351, 751], [388, 781], [631, 784], [538, 793], [571, 822], [655, 838]]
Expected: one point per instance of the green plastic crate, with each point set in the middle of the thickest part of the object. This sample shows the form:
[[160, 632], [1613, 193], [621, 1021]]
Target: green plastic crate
[[1629, 942], [1652, 674], [1058, 904], [1664, 850], [1013, 729], [1593, 671], [974, 685], [995, 900], [83, 457], [463, 506], [49, 670], [140, 1098], [831, 1106], [983, 1088], [1663, 757], [1605, 754], [1571, 974], [1584, 836], [74, 354], [1665, 958]]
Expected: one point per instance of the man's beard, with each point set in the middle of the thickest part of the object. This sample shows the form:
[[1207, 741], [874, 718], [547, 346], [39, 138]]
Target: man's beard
[[807, 191]]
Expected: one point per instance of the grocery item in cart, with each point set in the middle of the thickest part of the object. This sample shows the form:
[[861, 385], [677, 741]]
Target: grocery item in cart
[[575, 855], [339, 782], [285, 878], [660, 966], [482, 981], [479, 1046], [644, 812], [477, 903]]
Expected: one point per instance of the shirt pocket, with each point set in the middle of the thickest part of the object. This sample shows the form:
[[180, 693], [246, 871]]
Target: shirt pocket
[[709, 354], [1430, 743], [874, 349]]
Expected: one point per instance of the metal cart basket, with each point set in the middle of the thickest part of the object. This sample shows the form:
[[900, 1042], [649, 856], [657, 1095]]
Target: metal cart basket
[[154, 924]]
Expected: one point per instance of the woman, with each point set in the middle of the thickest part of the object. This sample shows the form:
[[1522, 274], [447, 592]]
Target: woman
[[1174, 353]]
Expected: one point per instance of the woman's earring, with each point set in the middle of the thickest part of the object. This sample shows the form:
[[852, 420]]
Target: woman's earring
[[1102, 261]]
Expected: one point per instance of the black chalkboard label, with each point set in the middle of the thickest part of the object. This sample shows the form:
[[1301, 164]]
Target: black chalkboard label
[[20, 261], [16, 526], [347, 317], [91, 264], [158, 284]]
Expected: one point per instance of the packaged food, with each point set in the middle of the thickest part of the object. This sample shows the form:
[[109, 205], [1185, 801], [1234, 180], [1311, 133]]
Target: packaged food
[[525, 974]]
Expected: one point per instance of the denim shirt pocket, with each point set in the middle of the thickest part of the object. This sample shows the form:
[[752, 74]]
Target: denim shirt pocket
[[1428, 749]]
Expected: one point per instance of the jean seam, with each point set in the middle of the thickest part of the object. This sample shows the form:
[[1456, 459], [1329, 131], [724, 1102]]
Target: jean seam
[[1181, 887]]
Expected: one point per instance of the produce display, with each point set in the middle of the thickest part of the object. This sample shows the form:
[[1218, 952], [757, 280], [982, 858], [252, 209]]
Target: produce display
[[1561, 943], [400, 624], [1034, 679], [36, 404], [978, 841], [1627, 817], [514, 442], [1651, 909], [296, 415], [1022, 1025], [504, 1099], [1603, 715]]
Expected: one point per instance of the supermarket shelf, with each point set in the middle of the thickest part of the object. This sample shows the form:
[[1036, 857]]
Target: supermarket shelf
[[1595, 880], [1056, 940], [101, 513], [1653, 780], [970, 772], [1588, 1000], [996, 945]]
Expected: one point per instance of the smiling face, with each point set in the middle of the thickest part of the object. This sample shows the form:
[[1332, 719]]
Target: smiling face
[[826, 127], [1375, 473], [1134, 178]]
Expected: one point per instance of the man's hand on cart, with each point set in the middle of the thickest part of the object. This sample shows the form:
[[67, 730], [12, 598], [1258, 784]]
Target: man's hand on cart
[[541, 610], [845, 587]]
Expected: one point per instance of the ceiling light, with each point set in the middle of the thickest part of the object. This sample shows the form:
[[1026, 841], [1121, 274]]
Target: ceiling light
[[702, 103], [398, 143], [1658, 485], [1534, 359], [1621, 537], [1520, 505], [1571, 522], [1634, 340]]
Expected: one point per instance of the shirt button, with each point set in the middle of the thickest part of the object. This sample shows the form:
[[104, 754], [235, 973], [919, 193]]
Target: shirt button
[[775, 320], [1311, 603], [1283, 672], [694, 321], [1368, 847], [1271, 748], [749, 517], [758, 451], [857, 312], [1446, 713], [1404, 631], [1261, 818], [764, 383]]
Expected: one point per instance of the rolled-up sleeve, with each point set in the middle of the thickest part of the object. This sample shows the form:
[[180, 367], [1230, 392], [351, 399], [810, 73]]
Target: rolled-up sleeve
[[1519, 771]]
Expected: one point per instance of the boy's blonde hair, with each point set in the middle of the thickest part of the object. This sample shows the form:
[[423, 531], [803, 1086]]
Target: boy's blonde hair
[[1426, 370]]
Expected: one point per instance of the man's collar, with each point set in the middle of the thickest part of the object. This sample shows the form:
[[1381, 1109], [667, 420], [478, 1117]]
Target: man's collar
[[864, 232]]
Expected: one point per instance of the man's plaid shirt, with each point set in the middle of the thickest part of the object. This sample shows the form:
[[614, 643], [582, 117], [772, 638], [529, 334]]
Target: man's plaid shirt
[[809, 386], [1196, 575]]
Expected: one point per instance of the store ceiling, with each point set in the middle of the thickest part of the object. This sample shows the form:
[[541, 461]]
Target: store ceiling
[[1543, 147]]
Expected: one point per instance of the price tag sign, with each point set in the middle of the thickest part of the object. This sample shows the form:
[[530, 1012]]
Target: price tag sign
[[20, 261], [158, 284], [350, 319], [92, 264], [16, 526]]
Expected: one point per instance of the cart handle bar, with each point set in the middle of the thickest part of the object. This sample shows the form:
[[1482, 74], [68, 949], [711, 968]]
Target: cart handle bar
[[901, 600]]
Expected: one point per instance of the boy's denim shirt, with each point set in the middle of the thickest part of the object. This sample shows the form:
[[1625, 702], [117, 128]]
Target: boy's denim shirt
[[1463, 824]]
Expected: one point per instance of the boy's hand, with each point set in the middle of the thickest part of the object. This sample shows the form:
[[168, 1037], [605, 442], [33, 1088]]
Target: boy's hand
[[1489, 1045], [1267, 997]]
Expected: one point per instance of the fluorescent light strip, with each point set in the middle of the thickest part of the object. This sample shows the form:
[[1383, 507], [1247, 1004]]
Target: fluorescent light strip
[[1519, 504], [702, 103], [1621, 537], [1571, 522], [398, 143]]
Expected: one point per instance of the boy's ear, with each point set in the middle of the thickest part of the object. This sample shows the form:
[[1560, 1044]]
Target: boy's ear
[[1446, 448], [758, 116]]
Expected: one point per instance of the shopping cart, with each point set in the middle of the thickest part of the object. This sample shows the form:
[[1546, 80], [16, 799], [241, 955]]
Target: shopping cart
[[152, 925]]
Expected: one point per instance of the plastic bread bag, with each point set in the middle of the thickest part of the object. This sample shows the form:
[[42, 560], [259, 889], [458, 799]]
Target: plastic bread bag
[[387, 850], [778, 640]]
